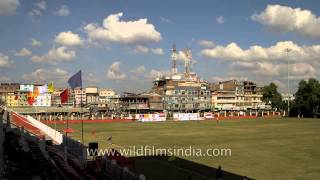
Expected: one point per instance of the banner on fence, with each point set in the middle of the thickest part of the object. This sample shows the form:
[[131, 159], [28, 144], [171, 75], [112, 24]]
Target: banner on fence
[[208, 115], [186, 116], [151, 117]]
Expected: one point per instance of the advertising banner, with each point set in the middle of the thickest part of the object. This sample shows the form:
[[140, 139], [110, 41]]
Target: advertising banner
[[186, 116], [151, 117], [26, 87], [208, 115], [43, 100]]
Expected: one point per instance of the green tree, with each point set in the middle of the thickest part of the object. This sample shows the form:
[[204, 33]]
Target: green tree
[[307, 98], [272, 96]]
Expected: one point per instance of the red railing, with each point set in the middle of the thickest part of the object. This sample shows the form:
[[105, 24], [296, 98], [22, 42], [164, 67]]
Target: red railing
[[22, 122]]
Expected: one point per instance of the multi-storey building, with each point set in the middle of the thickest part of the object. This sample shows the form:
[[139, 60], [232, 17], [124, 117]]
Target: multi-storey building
[[134, 103], [56, 99], [9, 93], [252, 95], [105, 96], [43, 100], [155, 102], [11, 100], [234, 95], [92, 96], [15, 94], [80, 97], [182, 95], [183, 92]]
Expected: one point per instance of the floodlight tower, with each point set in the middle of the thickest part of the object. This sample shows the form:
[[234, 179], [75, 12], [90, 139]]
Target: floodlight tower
[[174, 69], [288, 50]]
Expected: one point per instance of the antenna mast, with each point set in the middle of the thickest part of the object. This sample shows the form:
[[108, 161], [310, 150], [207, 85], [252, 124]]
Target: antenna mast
[[174, 69], [187, 61]]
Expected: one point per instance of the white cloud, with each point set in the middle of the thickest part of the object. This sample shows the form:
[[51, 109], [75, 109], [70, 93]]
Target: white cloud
[[35, 42], [157, 73], [157, 51], [273, 53], [206, 43], [227, 78], [55, 55], [68, 38], [63, 11], [8, 7], [138, 70], [279, 71], [181, 55], [258, 68], [287, 19], [5, 61], [267, 64], [145, 50], [91, 79], [141, 49], [127, 32], [43, 75], [265, 72], [24, 52], [220, 20], [35, 12], [302, 71], [39, 8], [114, 72], [42, 5], [166, 20]]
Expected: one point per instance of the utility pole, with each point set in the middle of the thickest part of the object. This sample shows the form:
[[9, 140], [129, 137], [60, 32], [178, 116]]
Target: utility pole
[[287, 50]]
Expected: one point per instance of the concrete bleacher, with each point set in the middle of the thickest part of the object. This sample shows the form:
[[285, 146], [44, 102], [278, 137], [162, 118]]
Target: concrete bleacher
[[24, 154], [23, 158]]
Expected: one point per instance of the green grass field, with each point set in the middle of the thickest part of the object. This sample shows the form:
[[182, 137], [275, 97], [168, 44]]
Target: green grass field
[[261, 148]]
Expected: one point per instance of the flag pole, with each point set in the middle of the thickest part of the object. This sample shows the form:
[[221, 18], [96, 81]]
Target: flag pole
[[82, 139], [67, 115], [76, 81]]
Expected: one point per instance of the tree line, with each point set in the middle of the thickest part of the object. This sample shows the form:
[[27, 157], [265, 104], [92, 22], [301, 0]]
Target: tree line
[[305, 104]]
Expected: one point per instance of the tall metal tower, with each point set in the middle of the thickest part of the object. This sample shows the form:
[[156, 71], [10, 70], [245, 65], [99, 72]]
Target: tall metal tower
[[187, 61], [174, 69]]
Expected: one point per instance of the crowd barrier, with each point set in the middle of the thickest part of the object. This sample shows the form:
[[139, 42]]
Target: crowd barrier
[[55, 135]]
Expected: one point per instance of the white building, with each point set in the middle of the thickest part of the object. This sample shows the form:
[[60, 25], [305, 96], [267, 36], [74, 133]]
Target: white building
[[104, 97], [286, 96], [92, 94], [78, 95]]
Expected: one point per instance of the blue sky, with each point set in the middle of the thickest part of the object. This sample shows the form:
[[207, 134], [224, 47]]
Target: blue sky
[[219, 33]]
